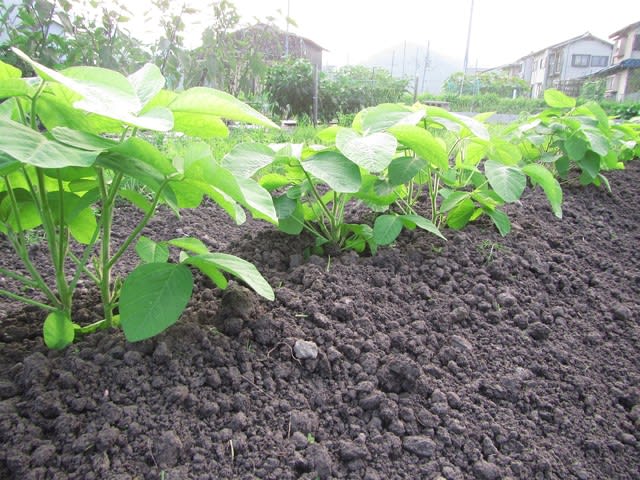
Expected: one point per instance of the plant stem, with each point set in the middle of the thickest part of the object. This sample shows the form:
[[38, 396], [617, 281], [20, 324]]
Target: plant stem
[[19, 244], [143, 223], [20, 278], [27, 300], [54, 249], [106, 220]]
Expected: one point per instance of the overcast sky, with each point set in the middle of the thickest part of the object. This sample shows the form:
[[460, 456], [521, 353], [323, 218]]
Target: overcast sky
[[502, 30]]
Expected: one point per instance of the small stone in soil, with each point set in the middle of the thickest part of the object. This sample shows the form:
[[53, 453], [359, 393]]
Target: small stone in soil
[[420, 445], [539, 331], [305, 350]]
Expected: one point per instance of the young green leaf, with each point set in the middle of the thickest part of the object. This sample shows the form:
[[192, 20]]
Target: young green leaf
[[543, 177], [238, 267], [403, 169], [461, 214], [191, 244], [146, 82], [372, 152], [556, 99], [33, 148], [386, 229], [336, 170], [210, 102], [58, 331], [421, 222], [500, 220], [245, 159], [150, 251], [152, 299], [423, 143], [507, 181]]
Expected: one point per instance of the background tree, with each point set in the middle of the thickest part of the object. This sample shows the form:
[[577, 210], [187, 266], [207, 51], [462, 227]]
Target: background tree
[[485, 83]]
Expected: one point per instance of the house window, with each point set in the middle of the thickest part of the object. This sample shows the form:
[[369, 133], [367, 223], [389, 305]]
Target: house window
[[599, 61], [580, 60]]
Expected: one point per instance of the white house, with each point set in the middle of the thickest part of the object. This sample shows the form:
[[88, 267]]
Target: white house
[[623, 77], [563, 65]]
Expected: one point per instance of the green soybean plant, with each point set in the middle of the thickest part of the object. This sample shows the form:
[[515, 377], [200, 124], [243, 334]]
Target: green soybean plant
[[70, 146], [449, 168], [566, 137]]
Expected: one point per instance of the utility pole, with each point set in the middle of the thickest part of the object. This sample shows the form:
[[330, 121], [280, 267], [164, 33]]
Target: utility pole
[[286, 37], [404, 58], [466, 53], [426, 65]]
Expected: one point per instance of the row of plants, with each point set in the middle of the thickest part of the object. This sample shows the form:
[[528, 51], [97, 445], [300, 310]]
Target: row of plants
[[71, 144]]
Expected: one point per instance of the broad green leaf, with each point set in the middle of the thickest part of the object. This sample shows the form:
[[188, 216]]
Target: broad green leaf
[[421, 222], [504, 152], [8, 164], [209, 269], [328, 135], [55, 109], [443, 117], [136, 198], [500, 220], [146, 153], [209, 102], [137, 169], [376, 194], [453, 199], [9, 71], [598, 141], [31, 147], [241, 269], [191, 244], [106, 93], [590, 165], [290, 215], [153, 297], [404, 169], [487, 201], [543, 177], [385, 115], [28, 213], [575, 147], [147, 82], [386, 229], [556, 99], [507, 181], [199, 125], [423, 143], [150, 251], [245, 159], [336, 170], [461, 214], [58, 330], [372, 152], [15, 87], [273, 181], [82, 140], [257, 200]]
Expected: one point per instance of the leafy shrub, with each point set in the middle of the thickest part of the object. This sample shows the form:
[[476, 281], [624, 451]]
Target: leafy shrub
[[69, 146]]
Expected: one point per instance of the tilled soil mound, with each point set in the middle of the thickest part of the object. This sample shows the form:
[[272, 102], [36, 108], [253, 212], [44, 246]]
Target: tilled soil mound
[[480, 357]]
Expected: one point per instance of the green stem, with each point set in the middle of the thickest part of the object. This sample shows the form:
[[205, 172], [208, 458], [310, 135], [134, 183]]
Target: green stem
[[54, 249], [143, 223], [106, 221], [23, 115], [27, 300], [93, 327], [20, 278], [34, 101], [19, 244]]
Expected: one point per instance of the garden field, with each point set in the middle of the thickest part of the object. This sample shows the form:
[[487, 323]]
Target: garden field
[[479, 357]]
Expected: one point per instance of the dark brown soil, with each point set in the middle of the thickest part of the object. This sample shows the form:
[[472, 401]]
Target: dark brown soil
[[480, 357]]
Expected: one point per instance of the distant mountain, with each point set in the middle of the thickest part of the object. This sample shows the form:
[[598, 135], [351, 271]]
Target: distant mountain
[[404, 63]]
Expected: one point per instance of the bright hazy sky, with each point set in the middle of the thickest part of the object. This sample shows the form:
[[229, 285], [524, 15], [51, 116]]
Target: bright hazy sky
[[502, 30]]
